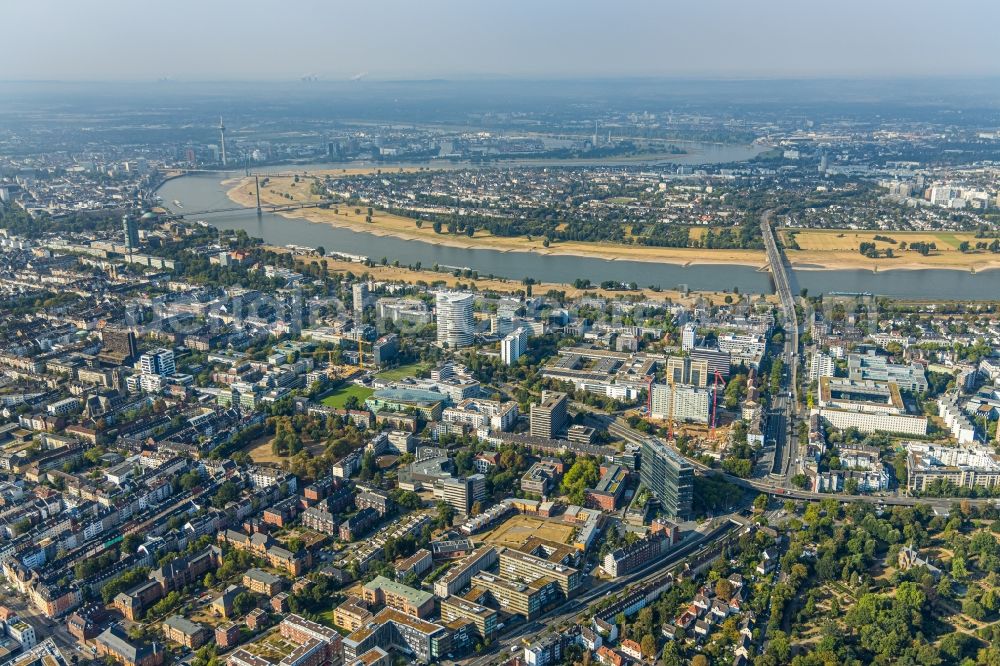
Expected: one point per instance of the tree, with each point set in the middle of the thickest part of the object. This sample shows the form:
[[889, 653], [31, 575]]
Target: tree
[[584, 474], [131, 542], [445, 514], [243, 603], [190, 480], [699, 660], [973, 609], [648, 645], [321, 251], [959, 571], [760, 502], [989, 601], [671, 655]]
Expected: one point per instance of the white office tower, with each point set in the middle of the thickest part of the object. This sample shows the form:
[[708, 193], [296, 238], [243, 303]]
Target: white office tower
[[687, 337], [158, 362], [512, 346], [360, 293], [455, 323]]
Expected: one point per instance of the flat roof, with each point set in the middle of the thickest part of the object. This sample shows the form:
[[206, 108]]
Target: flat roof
[[415, 597]]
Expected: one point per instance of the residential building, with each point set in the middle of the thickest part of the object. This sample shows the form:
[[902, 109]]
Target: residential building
[[609, 490], [416, 565], [390, 629], [158, 362], [546, 651], [485, 619], [518, 565], [384, 592], [513, 345], [262, 582], [628, 559], [821, 365], [690, 403], [961, 466], [352, 614], [458, 577], [184, 632], [549, 417], [114, 643]]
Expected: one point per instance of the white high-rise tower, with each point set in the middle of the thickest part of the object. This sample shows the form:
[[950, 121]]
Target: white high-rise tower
[[455, 324]]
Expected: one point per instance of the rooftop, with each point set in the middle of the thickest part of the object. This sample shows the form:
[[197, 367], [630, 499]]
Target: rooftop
[[415, 597]]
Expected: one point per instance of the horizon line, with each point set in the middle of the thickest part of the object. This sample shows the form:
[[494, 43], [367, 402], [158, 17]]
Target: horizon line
[[494, 78]]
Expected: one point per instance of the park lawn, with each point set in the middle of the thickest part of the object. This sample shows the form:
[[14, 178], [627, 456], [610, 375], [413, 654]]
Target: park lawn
[[338, 399], [402, 372], [954, 241], [848, 239]]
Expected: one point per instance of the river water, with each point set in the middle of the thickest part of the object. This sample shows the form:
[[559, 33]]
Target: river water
[[206, 192]]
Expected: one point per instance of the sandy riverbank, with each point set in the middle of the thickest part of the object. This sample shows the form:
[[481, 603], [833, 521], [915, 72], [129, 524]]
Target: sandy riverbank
[[821, 250], [402, 274], [839, 248], [385, 224]]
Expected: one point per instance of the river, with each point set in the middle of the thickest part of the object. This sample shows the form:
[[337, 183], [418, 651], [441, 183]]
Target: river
[[205, 192]]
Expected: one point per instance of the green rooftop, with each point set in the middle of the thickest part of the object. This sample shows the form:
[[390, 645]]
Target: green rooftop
[[416, 597]]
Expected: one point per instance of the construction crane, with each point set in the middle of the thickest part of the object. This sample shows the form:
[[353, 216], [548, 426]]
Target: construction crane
[[332, 366]]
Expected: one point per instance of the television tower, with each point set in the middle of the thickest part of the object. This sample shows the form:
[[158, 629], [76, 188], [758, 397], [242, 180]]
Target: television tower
[[222, 136]]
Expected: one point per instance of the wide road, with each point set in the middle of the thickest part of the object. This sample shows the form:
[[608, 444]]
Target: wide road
[[787, 454], [773, 486]]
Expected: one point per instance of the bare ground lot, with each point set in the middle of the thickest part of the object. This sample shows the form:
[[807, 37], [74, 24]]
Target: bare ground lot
[[518, 529]]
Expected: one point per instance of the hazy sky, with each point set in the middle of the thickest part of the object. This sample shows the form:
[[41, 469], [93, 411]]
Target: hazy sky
[[333, 39]]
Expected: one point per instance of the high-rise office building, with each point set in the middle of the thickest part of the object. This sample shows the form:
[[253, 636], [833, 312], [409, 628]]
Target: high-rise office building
[[668, 476], [158, 362], [688, 337], [360, 293], [686, 370], [548, 418], [455, 324], [385, 349], [131, 229], [461, 493], [512, 346], [718, 360]]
